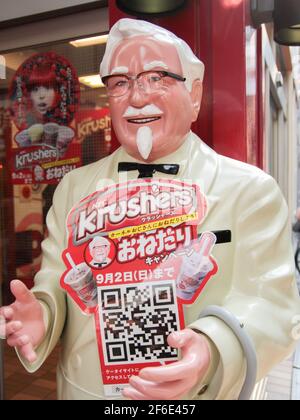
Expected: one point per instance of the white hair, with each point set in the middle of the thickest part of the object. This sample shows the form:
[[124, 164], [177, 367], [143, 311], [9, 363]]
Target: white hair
[[192, 67], [98, 241]]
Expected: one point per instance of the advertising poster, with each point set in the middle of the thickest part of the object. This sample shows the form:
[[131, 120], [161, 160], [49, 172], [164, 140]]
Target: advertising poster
[[134, 260], [94, 121], [44, 97]]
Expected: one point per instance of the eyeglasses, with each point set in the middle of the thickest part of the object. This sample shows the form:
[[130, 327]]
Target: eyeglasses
[[149, 81]]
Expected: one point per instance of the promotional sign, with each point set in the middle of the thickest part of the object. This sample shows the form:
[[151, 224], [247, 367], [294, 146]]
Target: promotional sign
[[93, 128], [93, 121], [133, 260], [44, 97], [42, 164]]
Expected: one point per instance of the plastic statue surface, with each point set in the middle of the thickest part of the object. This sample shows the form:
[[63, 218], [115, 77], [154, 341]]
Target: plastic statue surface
[[147, 239]]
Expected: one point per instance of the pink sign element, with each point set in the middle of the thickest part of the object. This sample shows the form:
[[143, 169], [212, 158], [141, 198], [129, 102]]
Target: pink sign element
[[120, 267], [197, 266]]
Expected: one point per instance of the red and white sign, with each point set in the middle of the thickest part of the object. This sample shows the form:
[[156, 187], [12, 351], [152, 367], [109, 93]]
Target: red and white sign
[[126, 249], [42, 164], [92, 121], [44, 96]]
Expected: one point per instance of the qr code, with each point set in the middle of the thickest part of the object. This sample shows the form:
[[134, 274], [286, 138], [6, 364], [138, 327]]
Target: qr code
[[135, 321]]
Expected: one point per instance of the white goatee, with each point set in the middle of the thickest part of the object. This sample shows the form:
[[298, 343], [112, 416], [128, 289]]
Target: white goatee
[[144, 141]]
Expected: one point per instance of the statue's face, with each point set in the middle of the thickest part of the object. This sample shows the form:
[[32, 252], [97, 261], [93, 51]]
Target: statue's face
[[169, 113]]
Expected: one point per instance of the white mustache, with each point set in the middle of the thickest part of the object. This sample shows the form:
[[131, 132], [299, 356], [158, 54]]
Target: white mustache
[[146, 111]]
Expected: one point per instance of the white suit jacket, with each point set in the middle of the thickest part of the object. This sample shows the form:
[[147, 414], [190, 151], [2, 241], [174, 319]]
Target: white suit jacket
[[255, 280]]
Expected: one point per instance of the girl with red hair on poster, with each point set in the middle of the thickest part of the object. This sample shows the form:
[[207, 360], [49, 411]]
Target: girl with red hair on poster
[[44, 89], [44, 97], [44, 94]]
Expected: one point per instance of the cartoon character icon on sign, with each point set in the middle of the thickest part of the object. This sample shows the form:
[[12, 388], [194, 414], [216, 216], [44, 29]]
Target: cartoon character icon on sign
[[99, 249], [162, 199]]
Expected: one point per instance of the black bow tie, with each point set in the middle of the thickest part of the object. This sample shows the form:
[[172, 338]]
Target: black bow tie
[[147, 170], [99, 264]]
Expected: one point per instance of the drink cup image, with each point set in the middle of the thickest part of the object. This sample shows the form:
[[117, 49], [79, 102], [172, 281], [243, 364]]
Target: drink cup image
[[36, 132], [65, 136], [51, 134], [81, 280], [23, 139], [195, 267], [191, 278]]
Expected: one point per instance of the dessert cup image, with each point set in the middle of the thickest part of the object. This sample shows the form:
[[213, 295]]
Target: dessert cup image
[[188, 286], [36, 132], [189, 279], [65, 136], [194, 267], [81, 280], [50, 134], [23, 139]]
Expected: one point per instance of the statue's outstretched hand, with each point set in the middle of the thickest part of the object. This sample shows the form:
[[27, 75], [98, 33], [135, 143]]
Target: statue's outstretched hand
[[173, 381], [22, 323]]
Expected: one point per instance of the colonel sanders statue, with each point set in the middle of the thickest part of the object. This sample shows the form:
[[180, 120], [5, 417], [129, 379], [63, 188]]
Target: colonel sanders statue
[[242, 323]]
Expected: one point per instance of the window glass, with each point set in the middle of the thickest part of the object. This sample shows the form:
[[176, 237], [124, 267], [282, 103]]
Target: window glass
[[54, 117]]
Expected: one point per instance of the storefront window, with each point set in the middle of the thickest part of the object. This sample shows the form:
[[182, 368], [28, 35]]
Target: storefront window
[[54, 117]]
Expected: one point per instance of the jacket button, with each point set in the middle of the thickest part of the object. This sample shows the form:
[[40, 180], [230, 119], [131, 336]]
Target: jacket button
[[203, 390]]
